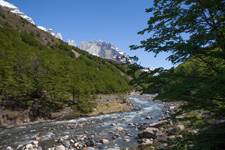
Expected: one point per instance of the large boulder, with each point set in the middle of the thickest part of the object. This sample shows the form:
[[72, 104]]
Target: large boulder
[[148, 133]]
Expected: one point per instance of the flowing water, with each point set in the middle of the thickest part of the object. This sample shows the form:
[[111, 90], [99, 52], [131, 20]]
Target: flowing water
[[98, 126]]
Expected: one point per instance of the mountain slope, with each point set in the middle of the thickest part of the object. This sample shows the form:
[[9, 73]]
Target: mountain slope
[[15, 10], [42, 73]]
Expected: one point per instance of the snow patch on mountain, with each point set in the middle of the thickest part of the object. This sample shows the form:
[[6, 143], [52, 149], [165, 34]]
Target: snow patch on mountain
[[59, 36], [15, 10], [12, 8], [50, 31]]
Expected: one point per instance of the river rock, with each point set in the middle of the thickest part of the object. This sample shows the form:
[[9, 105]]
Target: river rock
[[163, 145], [105, 141], [66, 143], [39, 148], [127, 138], [72, 141], [35, 143], [29, 146], [76, 144], [9, 148], [19, 147], [180, 127], [120, 129], [36, 138], [131, 124], [90, 142], [65, 137], [60, 147], [114, 124], [171, 138], [115, 148], [192, 131], [145, 142], [148, 133], [160, 138], [158, 124], [147, 117], [80, 126], [180, 118], [143, 126], [90, 148]]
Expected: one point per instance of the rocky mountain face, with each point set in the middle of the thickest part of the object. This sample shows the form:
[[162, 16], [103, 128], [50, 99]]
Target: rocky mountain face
[[71, 43], [105, 50], [59, 36], [15, 10]]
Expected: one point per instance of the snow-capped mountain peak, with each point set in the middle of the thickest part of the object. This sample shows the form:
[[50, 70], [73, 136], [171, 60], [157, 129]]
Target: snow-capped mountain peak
[[105, 49], [15, 10], [71, 43]]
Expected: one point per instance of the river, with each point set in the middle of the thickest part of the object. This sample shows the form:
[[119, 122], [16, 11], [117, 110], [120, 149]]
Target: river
[[98, 127]]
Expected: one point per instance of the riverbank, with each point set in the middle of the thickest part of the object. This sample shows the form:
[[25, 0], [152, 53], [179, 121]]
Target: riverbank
[[105, 104], [97, 132], [149, 128]]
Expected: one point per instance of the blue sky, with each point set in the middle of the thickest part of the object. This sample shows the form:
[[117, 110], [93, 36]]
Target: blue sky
[[115, 21]]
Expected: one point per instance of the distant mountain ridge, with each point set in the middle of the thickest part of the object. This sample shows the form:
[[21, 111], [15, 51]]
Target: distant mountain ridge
[[105, 50], [12, 8], [98, 48]]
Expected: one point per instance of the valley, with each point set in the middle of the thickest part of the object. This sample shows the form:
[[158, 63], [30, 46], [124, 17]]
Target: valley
[[56, 95]]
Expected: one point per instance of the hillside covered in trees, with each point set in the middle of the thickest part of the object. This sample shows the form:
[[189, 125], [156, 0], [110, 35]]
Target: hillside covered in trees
[[42, 72]]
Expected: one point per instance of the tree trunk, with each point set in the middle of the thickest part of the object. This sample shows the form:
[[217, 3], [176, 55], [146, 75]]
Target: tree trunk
[[7, 97], [2, 98], [73, 95]]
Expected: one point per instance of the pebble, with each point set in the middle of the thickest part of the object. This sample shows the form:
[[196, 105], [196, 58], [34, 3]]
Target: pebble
[[127, 139], [147, 117], [9, 148], [35, 143], [60, 147], [120, 129], [105, 141], [29, 146]]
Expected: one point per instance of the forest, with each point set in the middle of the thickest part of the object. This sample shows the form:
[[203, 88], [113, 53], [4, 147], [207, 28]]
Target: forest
[[45, 74]]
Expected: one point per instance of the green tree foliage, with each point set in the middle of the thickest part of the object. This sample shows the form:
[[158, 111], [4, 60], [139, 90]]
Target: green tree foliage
[[202, 20], [192, 32], [34, 75]]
